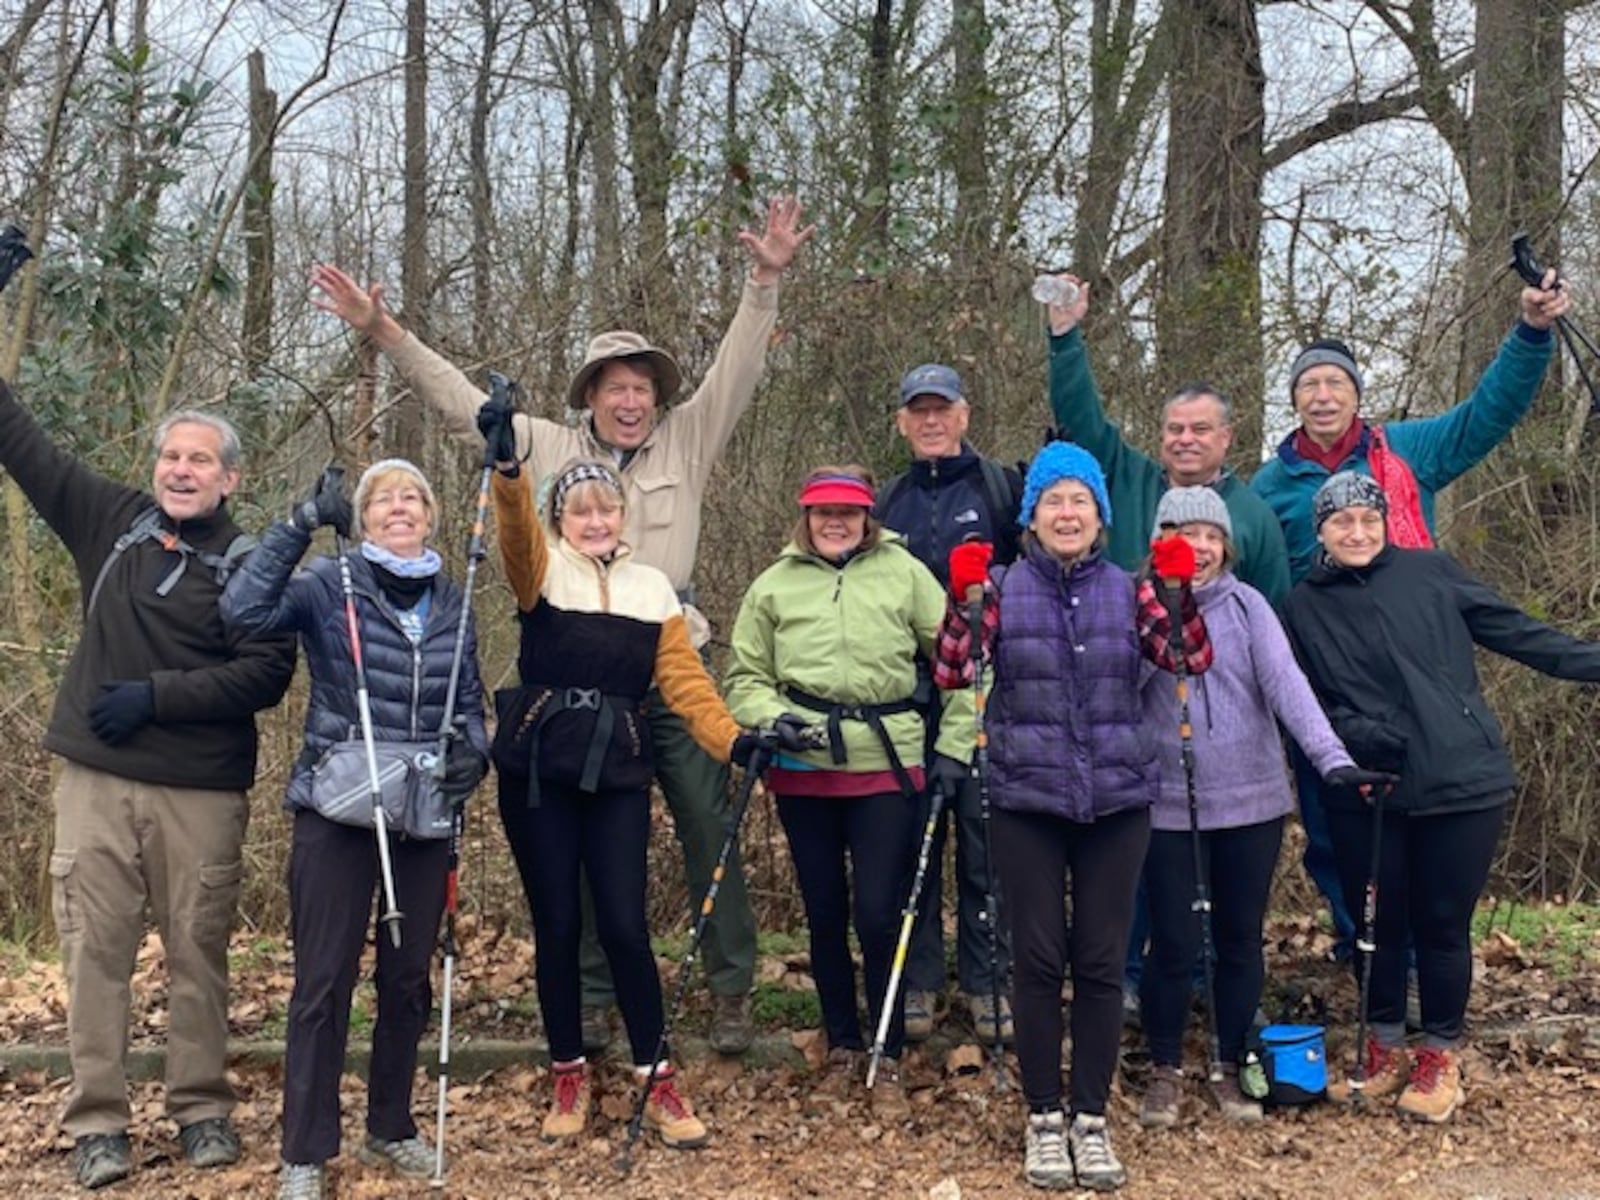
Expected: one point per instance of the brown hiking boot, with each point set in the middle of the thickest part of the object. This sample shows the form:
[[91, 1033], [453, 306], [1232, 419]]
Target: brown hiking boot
[[1230, 1101], [1162, 1098], [835, 1081], [569, 1110], [732, 1029], [1387, 1069], [670, 1114], [919, 1009], [1435, 1089], [888, 1095]]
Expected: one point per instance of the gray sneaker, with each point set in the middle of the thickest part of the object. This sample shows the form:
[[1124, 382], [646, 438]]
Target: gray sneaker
[[101, 1158], [983, 1018], [300, 1181], [1093, 1160], [212, 1142], [411, 1157], [1045, 1161]]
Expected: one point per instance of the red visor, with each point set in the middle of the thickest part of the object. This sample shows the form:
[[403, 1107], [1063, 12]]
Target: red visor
[[835, 489]]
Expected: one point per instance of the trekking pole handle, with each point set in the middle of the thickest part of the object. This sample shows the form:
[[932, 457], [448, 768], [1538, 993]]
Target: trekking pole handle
[[975, 616]]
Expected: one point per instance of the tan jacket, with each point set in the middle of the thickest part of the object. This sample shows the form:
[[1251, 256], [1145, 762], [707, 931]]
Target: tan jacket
[[666, 477]]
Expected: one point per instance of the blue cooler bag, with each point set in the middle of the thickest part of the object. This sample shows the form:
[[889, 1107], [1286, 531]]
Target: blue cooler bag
[[1295, 1061]]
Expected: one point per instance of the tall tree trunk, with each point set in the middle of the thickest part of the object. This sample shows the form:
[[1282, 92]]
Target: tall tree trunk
[[256, 335], [1209, 310], [1514, 175], [408, 432], [873, 216], [968, 151], [481, 195], [609, 254]]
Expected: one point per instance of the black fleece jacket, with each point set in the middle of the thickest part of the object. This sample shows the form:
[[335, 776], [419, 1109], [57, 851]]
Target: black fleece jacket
[[208, 684], [1388, 649]]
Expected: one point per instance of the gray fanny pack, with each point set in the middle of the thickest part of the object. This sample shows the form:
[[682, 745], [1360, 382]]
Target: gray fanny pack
[[341, 788]]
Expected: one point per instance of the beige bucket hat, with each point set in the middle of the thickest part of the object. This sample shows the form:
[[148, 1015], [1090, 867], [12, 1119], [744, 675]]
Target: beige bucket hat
[[618, 344]]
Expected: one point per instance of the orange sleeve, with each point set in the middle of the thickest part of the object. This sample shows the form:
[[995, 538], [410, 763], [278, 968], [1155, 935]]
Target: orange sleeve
[[524, 550], [687, 688]]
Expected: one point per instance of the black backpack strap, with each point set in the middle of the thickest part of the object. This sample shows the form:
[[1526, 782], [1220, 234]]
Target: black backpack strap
[[144, 527], [887, 494]]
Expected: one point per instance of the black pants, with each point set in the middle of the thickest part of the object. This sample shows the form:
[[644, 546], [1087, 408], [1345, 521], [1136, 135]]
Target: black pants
[[925, 965], [333, 874], [1430, 874], [607, 835], [877, 834], [1238, 864], [1035, 854]]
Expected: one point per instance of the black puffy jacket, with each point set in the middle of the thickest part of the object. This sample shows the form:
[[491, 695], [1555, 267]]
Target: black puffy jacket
[[1388, 649], [406, 683]]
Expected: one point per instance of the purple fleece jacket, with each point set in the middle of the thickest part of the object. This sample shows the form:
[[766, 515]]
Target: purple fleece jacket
[[1239, 769]]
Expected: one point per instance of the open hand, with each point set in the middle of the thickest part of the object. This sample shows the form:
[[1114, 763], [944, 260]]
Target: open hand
[[774, 249]]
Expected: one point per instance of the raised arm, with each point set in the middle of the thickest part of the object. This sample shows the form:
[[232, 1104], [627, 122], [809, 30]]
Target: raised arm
[[1075, 401], [730, 384], [1498, 625], [1438, 449], [524, 549]]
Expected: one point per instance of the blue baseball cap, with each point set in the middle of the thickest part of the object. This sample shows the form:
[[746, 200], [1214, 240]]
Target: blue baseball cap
[[930, 379]]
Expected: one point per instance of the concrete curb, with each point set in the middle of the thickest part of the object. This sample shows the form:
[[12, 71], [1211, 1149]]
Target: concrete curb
[[472, 1057]]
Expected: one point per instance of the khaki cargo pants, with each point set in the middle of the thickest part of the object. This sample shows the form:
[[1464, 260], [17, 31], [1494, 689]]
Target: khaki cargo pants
[[120, 847]]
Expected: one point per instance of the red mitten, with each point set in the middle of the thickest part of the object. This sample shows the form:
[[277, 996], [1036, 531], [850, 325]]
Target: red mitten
[[969, 567], [1172, 560]]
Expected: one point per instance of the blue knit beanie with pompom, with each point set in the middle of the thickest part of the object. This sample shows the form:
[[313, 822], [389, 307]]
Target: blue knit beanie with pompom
[[1058, 461]]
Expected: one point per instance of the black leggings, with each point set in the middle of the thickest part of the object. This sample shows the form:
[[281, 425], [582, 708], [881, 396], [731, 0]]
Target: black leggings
[[1431, 872], [1239, 864], [877, 834], [1033, 855], [607, 834]]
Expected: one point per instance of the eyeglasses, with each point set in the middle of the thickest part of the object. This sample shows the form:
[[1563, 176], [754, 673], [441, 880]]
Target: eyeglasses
[[1339, 384]]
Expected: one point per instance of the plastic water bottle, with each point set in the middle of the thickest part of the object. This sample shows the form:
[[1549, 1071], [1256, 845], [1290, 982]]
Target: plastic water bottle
[[1052, 289]]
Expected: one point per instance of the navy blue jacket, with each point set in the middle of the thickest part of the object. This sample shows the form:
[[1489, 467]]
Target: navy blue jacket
[[940, 502], [406, 683]]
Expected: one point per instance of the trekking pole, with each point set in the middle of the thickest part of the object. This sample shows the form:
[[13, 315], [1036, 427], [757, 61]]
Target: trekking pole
[[1201, 905], [980, 769], [752, 772], [457, 821], [501, 390], [908, 918], [1367, 943], [380, 819]]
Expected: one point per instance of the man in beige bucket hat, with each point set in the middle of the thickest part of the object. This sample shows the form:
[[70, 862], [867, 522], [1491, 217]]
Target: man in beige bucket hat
[[665, 456]]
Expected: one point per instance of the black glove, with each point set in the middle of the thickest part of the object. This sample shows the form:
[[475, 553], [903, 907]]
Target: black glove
[[747, 744], [494, 422], [1357, 777], [947, 776], [325, 504], [464, 769], [797, 735], [123, 707]]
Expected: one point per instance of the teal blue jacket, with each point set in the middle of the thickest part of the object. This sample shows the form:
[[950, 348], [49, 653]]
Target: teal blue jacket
[[1437, 449], [1136, 482]]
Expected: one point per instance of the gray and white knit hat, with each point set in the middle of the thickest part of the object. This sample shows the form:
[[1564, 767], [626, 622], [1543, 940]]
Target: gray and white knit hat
[[1347, 489], [382, 467], [1181, 505], [1327, 352]]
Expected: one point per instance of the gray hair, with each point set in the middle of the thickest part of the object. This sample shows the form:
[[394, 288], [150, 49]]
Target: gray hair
[[1200, 389], [231, 451]]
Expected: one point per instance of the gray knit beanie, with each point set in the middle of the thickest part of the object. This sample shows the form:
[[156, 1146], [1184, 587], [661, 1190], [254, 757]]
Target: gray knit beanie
[[1347, 489], [1326, 352], [1181, 505]]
